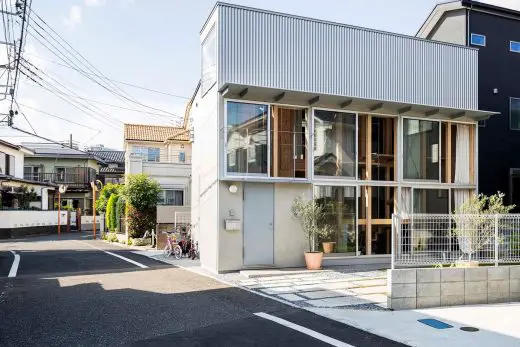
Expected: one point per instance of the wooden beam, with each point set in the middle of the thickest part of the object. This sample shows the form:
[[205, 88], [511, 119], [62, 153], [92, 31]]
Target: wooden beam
[[457, 115], [404, 109], [472, 154], [243, 92], [431, 112], [382, 221], [368, 147], [346, 103], [314, 100], [279, 97], [376, 106], [448, 153], [368, 237], [225, 91]]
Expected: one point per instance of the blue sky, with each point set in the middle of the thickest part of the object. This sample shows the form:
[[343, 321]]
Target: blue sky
[[155, 44]]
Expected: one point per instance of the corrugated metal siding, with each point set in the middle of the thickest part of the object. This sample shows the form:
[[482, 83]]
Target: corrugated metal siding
[[266, 49]]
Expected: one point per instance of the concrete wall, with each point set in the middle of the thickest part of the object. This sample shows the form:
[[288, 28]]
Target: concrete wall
[[422, 288], [166, 214], [451, 28], [19, 219]]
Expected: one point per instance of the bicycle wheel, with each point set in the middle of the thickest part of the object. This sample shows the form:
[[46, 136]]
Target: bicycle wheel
[[167, 251], [177, 252]]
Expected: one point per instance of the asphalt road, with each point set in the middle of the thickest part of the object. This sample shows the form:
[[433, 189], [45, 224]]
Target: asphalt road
[[71, 292]]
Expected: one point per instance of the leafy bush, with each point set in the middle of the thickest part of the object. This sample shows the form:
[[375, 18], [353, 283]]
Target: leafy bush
[[111, 212], [112, 237], [130, 241], [119, 212], [141, 195], [105, 193], [141, 242]]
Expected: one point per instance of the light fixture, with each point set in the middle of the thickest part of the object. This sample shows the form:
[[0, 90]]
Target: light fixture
[[233, 189]]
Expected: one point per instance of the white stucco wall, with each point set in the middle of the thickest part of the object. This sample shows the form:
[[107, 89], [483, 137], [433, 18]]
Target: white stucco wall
[[22, 219], [18, 159], [451, 28]]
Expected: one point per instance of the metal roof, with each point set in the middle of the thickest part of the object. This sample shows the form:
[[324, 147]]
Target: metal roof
[[110, 156]]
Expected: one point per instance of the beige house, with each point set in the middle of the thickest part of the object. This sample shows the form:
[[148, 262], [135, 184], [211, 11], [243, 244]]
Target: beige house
[[164, 154]]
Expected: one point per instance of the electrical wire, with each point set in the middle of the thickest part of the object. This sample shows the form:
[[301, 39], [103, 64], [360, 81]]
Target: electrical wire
[[119, 92], [18, 58], [109, 79], [58, 117], [24, 116]]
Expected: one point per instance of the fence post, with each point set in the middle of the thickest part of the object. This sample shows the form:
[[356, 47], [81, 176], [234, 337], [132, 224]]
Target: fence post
[[496, 240], [392, 239]]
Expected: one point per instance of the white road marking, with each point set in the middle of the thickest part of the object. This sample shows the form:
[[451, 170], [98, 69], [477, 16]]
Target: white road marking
[[14, 267], [303, 330], [142, 266]]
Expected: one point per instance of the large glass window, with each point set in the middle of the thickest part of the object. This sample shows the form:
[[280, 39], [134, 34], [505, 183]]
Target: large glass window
[[247, 131], [148, 153], [340, 207], [514, 114], [434, 201], [209, 62], [334, 143], [421, 149]]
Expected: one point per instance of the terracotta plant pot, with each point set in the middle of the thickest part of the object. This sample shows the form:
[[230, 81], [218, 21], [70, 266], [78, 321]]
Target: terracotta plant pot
[[313, 260], [328, 247]]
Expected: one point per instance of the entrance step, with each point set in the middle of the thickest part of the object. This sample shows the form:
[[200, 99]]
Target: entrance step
[[279, 272]]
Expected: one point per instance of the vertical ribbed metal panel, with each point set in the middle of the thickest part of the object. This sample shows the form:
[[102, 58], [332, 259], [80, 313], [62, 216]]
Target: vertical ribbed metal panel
[[266, 49]]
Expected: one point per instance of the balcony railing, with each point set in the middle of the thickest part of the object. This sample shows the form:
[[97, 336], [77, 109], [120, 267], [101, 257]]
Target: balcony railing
[[78, 178], [176, 158]]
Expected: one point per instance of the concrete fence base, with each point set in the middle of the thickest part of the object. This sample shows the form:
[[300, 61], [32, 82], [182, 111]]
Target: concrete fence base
[[425, 288]]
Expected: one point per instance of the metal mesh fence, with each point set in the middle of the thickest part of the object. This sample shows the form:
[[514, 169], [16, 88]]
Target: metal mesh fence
[[430, 239]]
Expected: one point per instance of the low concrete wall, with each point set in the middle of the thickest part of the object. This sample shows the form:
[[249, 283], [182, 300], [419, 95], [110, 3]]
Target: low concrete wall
[[423, 288]]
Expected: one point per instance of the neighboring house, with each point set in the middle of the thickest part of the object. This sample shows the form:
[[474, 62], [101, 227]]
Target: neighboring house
[[366, 122], [495, 32], [164, 154], [62, 165], [12, 179], [113, 171]]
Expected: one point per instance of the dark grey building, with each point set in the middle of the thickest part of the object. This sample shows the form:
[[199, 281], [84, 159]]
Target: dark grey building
[[495, 32]]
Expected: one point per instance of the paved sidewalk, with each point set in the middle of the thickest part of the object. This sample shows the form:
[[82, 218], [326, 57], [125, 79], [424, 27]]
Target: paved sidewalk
[[337, 287]]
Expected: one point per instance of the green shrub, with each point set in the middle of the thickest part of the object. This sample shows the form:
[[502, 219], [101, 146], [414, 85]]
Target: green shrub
[[112, 237], [141, 195], [130, 241], [111, 212], [105, 193], [119, 211]]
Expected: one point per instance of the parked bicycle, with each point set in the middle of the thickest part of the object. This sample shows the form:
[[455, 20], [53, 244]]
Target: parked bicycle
[[172, 246]]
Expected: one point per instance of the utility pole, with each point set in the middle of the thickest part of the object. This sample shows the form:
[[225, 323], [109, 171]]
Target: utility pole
[[70, 141]]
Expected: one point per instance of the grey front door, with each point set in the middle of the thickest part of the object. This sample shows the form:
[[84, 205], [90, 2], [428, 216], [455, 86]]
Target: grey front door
[[258, 224]]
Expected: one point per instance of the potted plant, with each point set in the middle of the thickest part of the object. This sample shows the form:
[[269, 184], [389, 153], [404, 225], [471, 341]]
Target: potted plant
[[311, 216], [475, 225]]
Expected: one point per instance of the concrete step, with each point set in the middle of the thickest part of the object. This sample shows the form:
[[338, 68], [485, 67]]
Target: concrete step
[[279, 272]]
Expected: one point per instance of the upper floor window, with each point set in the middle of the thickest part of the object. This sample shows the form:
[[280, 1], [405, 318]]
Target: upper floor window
[[514, 46], [173, 197], [182, 157], [209, 61], [478, 40], [148, 153], [514, 114], [6, 164]]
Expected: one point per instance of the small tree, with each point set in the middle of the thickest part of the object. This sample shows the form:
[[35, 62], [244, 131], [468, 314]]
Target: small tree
[[475, 225], [25, 196], [120, 206], [141, 194], [104, 195], [312, 218], [111, 212]]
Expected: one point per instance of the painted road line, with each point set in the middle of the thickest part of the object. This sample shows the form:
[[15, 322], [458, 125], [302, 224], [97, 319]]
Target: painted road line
[[14, 267], [303, 330], [142, 266]]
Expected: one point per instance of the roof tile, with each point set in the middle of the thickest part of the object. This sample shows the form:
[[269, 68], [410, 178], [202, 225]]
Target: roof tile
[[156, 133]]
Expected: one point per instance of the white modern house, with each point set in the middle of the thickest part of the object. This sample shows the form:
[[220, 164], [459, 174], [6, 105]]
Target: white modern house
[[368, 123]]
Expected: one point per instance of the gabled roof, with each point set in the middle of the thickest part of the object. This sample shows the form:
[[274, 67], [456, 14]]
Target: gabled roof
[[110, 156], [441, 9], [155, 133]]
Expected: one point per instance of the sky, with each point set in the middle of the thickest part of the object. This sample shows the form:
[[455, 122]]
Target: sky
[[153, 44]]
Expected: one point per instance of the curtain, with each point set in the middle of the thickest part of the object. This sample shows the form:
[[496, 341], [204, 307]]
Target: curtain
[[406, 202], [462, 154]]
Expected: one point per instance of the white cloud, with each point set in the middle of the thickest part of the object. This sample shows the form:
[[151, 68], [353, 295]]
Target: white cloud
[[94, 2], [74, 18]]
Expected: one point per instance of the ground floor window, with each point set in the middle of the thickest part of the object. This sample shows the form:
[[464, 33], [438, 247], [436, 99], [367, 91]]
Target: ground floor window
[[174, 197]]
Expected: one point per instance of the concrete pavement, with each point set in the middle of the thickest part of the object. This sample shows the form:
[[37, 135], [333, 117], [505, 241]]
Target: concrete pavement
[[75, 291]]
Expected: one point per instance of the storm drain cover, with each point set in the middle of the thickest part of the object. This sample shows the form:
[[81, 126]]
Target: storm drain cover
[[434, 323], [469, 329]]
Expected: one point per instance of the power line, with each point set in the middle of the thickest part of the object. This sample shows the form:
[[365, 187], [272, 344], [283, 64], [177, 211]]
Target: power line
[[24, 116], [110, 79], [58, 117], [119, 92], [91, 100], [17, 66]]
